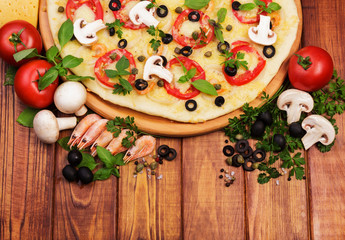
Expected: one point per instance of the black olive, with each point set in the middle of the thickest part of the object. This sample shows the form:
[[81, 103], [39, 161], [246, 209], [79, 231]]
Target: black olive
[[141, 84], [194, 16], [115, 5], [223, 47], [266, 117], [228, 150], [296, 130], [259, 155], [122, 43], [191, 105], [230, 71], [245, 164], [269, 51], [241, 146], [171, 154], [219, 101], [111, 31], [258, 129], [74, 157], [162, 11], [247, 153], [167, 38], [236, 5], [235, 162], [186, 51], [85, 175], [163, 150], [69, 173], [279, 140], [165, 61]]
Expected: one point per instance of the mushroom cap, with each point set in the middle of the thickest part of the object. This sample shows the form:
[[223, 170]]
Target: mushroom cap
[[301, 98], [69, 97], [322, 125], [46, 126]]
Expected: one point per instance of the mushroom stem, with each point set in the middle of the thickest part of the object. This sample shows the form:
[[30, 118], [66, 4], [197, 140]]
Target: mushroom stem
[[311, 138], [81, 111], [66, 123]]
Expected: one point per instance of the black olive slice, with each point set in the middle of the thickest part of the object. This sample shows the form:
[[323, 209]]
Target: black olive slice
[[280, 141], [191, 105], [194, 16], [241, 146], [69, 173], [219, 101], [163, 150], [186, 51], [296, 130], [247, 153], [245, 164], [269, 51], [223, 47], [111, 31], [230, 71], [141, 84], [167, 38], [258, 129], [171, 154], [162, 11], [259, 155], [228, 150], [266, 117], [235, 162], [115, 5], [122, 43], [165, 61]]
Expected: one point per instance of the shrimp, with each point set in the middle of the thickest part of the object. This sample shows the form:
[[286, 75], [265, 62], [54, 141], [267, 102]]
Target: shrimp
[[103, 140], [100, 49], [92, 133], [81, 128], [115, 146], [143, 147]]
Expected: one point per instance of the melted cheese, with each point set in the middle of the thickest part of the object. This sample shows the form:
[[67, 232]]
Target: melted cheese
[[85, 12], [188, 27]]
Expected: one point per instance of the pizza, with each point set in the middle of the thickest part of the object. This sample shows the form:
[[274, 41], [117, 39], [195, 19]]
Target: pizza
[[187, 61]]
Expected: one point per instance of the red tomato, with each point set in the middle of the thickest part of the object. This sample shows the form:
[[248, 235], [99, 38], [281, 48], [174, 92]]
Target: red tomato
[[206, 27], [192, 91], [29, 38], [241, 15], [26, 84], [248, 75], [103, 62], [318, 72], [94, 5], [122, 15]]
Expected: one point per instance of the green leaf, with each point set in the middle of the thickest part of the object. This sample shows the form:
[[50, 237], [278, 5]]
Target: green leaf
[[108, 159], [196, 4], [152, 31], [65, 33], [221, 14], [262, 178], [63, 143], [274, 6], [126, 84], [260, 3], [299, 172], [102, 174], [76, 78], [183, 79], [10, 74], [122, 64], [71, 61], [48, 78], [191, 73], [219, 35], [247, 6], [25, 54], [205, 87], [111, 73], [88, 161], [52, 53], [115, 172], [26, 117]]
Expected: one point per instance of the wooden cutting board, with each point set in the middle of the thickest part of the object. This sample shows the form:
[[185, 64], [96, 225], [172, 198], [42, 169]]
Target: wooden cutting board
[[162, 126]]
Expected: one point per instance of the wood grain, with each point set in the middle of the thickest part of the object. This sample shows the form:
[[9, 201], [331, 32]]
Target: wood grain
[[26, 176], [326, 171]]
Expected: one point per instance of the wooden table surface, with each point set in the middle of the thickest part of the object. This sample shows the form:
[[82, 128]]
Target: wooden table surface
[[190, 202]]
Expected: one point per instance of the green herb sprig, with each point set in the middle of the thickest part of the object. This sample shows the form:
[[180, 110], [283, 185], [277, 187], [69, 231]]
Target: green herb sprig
[[221, 14], [196, 4], [117, 25], [261, 5], [155, 32], [118, 124], [234, 62]]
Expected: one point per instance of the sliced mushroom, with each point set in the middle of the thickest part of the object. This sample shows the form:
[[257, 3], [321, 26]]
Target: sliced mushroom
[[319, 129], [139, 14], [294, 102], [262, 34], [154, 66], [85, 32]]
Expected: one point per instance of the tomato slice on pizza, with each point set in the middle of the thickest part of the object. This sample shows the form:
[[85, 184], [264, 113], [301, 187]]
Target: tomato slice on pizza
[[249, 17], [191, 91], [73, 5], [123, 14], [109, 58], [188, 22], [244, 76]]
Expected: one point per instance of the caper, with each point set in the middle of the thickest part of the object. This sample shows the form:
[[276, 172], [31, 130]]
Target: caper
[[177, 50], [228, 28], [113, 56], [153, 165], [195, 35], [61, 9], [178, 10], [141, 58], [160, 83], [229, 161], [240, 159], [146, 164], [255, 165], [217, 86], [135, 71], [139, 167], [239, 137], [208, 54]]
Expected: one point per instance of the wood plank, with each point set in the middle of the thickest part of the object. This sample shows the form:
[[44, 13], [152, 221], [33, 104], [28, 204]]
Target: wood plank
[[326, 171], [83, 212], [151, 208], [26, 176], [210, 209]]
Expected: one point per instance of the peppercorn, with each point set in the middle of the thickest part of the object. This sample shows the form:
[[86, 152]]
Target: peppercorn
[[140, 167], [220, 176], [227, 184], [289, 179], [304, 177], [136, 162], [160, 162], [222, 170]]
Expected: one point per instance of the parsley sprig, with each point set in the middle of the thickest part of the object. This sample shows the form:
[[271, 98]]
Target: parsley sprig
[[155, 32], [234, 62], [261, 5], [117, 25], [118, 124]]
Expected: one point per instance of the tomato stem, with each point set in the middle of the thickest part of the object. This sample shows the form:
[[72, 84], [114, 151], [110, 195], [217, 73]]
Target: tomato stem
[[15, 39], [304, 62]]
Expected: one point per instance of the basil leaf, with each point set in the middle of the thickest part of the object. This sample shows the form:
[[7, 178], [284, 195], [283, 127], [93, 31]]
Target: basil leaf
[[115, 172], [65, 33], [27, 53], [76, 78], [26, 117], [63, 143], [183, 79], [118, 159], [196, 4], [71, 61], [260, 3], [191, 73], [52, 53], [105, 156], [10, 74], [274, 6], [111, 73], [88, 161], [122, 64], [48, 78], [247, 6], [205, 87], [102, 174], [219, 35], [126, 84], [221, 14]]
